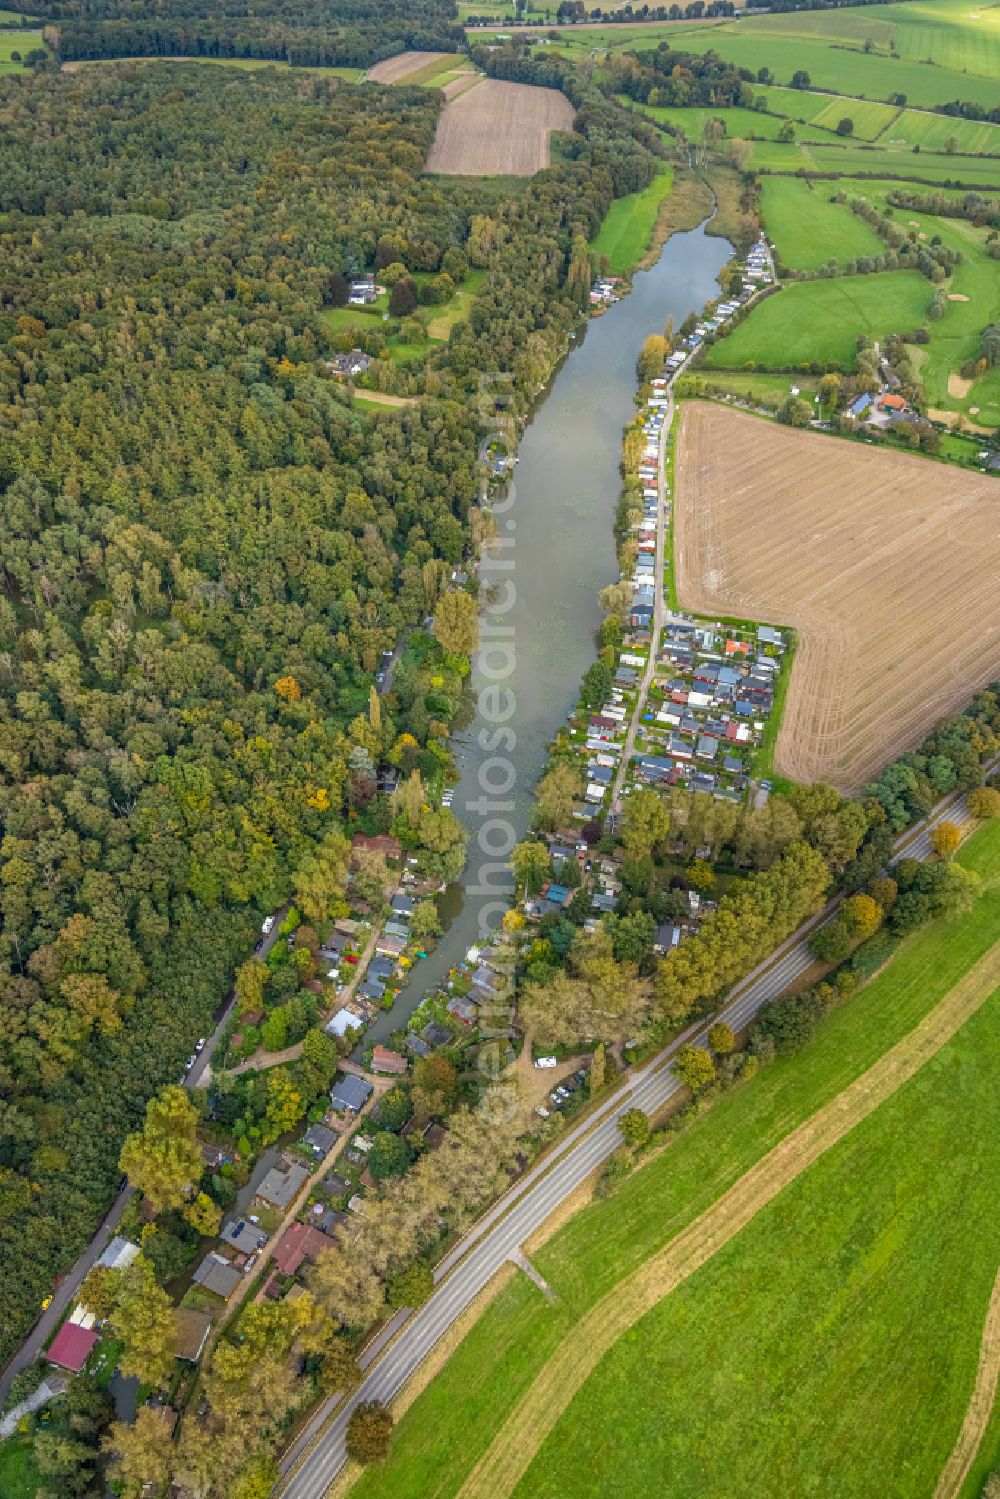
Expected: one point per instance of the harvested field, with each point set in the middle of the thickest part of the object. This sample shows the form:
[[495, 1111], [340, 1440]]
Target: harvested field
[[460, 85], [498, 129], [397, 69], [885, 564]]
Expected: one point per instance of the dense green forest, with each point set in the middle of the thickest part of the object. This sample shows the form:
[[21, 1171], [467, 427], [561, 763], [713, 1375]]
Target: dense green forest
[[206, 549], [330, 32]]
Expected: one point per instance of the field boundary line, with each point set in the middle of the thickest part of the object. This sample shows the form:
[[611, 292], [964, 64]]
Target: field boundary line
[[514, 1446], [980, 1406]]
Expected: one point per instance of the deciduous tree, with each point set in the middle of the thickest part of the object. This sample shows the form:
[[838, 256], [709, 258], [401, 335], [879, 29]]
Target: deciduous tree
[[163, 1159]]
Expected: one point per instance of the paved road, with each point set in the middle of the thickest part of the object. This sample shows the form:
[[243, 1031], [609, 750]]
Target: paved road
[[498, 1234], [658, 596], [65, 1294]]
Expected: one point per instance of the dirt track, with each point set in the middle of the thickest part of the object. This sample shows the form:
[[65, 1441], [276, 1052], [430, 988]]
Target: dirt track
[[510, 1453], [498, 129], [886, 564], [980, 1405], [395, 69]]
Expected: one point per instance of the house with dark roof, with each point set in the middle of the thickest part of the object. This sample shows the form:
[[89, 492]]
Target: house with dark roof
[[349, 1093], [436, 1034], [319, 1139], [244, 1237], [463, 1009], [282, 1184], [217, 1275]]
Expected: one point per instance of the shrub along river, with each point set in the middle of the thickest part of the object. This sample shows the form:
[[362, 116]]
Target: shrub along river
[[558, 551]]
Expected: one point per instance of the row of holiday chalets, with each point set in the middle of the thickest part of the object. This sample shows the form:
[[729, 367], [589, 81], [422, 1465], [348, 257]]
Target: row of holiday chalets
[[713, 687]]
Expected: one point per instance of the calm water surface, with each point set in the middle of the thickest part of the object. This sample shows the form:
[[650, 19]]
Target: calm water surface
[[566, 486]]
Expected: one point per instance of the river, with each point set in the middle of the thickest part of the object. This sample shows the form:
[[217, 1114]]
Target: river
[[558, 538]]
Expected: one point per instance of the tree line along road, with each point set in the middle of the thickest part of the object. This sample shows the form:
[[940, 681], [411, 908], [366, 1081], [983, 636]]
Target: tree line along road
[[469, 1267]]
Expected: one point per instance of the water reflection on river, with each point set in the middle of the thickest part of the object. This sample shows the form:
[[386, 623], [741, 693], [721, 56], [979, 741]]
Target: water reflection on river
[[566, 491]]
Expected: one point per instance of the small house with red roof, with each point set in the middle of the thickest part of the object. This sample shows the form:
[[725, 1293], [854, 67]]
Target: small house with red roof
[[299, 1242], [72, 1346]]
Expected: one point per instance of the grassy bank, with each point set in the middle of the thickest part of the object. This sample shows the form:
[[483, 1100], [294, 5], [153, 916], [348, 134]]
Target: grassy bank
[[627, 231]]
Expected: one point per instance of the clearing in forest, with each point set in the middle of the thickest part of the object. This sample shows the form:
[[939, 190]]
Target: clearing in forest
[[885, 563], [498, 129]]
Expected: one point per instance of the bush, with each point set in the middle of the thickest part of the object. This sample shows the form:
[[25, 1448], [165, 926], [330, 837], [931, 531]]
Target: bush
[[873, 954], [412, 1286], [787, 1021], [368, 1431], [389, 1156], [615, 1171], [831, 943], [634, 1127], [984, 801]]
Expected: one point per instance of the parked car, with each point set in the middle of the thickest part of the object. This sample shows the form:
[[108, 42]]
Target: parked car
[[200, 1044], [267, 925], [545, 1061]]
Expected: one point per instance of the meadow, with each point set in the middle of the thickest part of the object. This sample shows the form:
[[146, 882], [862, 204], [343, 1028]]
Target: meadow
[[21, 42], [440, 320], [759, 388], [959, 36], [243, 64], [826, 1313], [453, 1420], [955, 337], [807, 229], [915, 127], [19, 1477], [747, 124], [859, 160], [962, 41], [820, 321], [627, 230]]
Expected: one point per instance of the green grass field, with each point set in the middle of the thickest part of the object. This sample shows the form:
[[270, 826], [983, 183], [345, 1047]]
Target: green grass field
[[625, 235], [440, 320], [22, 42], [963, 40], [243, 64], [859, 160], [848, 1314], [747, 124], [807, 229], [820, 320], [760, 388], [18, 1474], [452, 1422], [914, 127], [868, 119], [959, 36], [954, 338]]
